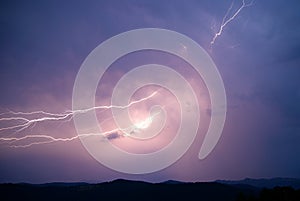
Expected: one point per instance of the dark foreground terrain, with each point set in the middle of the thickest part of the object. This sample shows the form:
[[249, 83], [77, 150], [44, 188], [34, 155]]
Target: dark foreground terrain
[[135, 190]]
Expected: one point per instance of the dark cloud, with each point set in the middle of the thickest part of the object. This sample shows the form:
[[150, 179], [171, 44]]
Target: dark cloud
[[113, 136]]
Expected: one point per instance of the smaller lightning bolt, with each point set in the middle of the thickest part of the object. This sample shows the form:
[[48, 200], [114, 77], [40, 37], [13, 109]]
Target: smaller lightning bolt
[[226, 20], [49, 139], [32, 113]]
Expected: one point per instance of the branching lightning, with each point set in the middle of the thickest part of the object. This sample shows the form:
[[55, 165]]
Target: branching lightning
[[50, 139], [22, 123], [226, 19]]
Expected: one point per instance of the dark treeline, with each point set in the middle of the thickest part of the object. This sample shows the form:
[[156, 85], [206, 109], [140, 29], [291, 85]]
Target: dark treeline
[[134, 190], [274, 194]]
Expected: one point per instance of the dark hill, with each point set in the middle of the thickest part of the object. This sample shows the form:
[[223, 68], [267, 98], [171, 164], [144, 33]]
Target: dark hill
[[137, 190], [266, 183]]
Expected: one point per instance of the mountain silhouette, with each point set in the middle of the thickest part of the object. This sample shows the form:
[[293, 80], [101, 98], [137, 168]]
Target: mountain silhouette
[[124, 190], [266, 183]]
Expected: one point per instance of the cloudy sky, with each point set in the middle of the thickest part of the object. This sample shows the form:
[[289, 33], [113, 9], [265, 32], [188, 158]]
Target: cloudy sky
[[44, 43]]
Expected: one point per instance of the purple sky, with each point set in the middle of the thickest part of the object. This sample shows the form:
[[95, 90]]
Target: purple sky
[[43, 45]]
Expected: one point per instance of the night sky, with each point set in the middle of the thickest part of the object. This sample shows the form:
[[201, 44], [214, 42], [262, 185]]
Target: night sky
[[44, 43]]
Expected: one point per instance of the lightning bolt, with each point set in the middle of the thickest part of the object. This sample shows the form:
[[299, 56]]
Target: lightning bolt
[[23, 123], [226, 19], [50, 139]]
